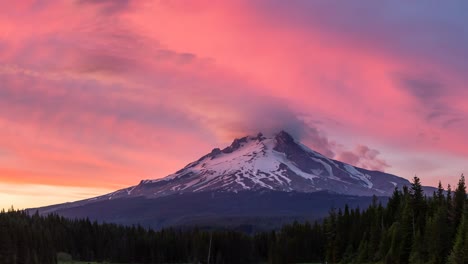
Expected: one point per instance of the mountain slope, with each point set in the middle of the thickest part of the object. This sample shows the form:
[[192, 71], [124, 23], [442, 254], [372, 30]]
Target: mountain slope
[[277, 163], [271, 177], [261, 210]]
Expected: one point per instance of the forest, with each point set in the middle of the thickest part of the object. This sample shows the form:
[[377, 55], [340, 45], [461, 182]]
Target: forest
[[413, 227]]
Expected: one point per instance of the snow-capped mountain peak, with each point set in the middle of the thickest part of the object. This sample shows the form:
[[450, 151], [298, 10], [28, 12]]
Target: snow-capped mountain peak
[[277, 163]]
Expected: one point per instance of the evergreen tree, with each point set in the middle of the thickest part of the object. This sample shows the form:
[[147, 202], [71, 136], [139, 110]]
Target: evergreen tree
[[331, 233], [418, 206], [459, 254], [437, 236], [459, 200], [440, 193]]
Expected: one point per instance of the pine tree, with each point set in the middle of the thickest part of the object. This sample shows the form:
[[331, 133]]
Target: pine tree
[[418, 206], [394, 253], [459, 201], [331, 233], [440, 193], [459, 254], [392, 212], [438, 236], [418, 254]]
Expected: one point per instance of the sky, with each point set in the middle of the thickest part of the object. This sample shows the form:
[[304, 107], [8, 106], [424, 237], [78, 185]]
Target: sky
[[96, 95]]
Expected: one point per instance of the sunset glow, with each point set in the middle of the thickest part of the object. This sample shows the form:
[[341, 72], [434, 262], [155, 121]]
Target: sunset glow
[[96, 95]]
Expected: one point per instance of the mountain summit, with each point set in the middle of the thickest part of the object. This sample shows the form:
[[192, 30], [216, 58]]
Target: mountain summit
[[277, 163], [256, 180]]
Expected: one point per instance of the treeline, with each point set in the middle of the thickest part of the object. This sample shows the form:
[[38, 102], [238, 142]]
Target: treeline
[[37, 239], [411, 228]]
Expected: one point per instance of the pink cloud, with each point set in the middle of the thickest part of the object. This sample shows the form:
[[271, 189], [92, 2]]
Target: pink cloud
[[125, 90], [364, 157]]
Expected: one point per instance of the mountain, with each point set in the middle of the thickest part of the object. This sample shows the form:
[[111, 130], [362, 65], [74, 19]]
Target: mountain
[[277, 163], [256, 176]]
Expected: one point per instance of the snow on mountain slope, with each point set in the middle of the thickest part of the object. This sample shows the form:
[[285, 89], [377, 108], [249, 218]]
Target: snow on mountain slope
[[276, 163]]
